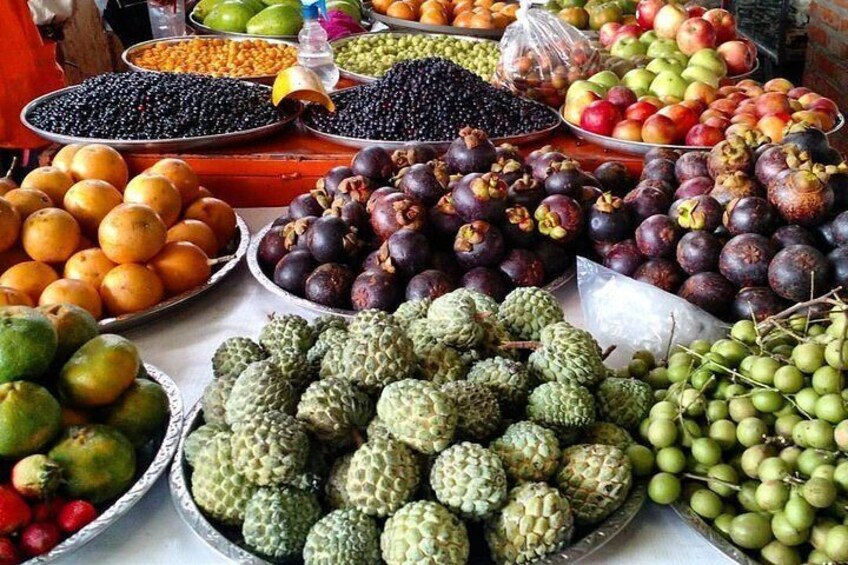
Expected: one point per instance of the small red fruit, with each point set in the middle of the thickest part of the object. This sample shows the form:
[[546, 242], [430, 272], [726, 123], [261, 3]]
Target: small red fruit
[[684, 119], [600, 117], [40, 538], [798, 92], [825, 105], [14, 511], [659, 129], [8, 552], [696, 34], [75, 515], [704, 136], [621, 96], [694, 10], [631, 130], [772, 103], [723, 22], [640, 111]]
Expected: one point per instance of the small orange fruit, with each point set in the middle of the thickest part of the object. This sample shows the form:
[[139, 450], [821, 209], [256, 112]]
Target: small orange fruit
[[28, 200], [12, 257], [131, 233], [10, 224], [381, 6], [181, 266], [130, 288], [196, 232], [50, 235], [463, 19], [157, 192], [510, 11], [216, 214], [434, 17], [181, 174], [431, 5], [88, 201], [52, 181], [203, 192], [71, 291], [100, 162], [14, 297], [462, 6], [62, 159], [89, 265], [499, 20], [402, 11], [29, 277], [482, 21]]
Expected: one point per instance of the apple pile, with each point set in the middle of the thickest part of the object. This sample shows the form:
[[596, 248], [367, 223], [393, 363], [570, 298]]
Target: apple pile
[[593, 14]]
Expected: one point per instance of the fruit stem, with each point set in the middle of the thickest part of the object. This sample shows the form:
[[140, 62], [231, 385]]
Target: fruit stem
[[219, 260], [532, 345], [772, 320], [607, 352], [731, 486], [12, 167]]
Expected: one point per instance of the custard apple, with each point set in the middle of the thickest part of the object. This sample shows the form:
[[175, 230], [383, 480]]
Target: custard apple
[[596, 479], [343, 537], [259, 389], [606, 433], [420, 335], [333, 408], [526, 310], [270, 449], [536, 521], [215, 397], [277, 521], [625, 402], [422, 533], [508, 379], [382, 477], [216, 487], [486, 305], [529, 452], [371, 319], [294, 367], [196, 440], [478, 412], [324, 322], [561, 406], [332, 363], [410, 311], [568, 354], [470, 480], [419, 414], [287, 331], [331, 338], [375, 357], [441, 364], [235, 354], [376, 428], [335, 490], [453, 321], [494, 336]]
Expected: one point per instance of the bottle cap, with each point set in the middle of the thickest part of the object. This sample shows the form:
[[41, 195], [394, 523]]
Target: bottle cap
[[312, 10]]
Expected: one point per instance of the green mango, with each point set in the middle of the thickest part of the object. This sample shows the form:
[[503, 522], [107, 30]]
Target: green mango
[[202, 9], [231, 16], [276, 20]]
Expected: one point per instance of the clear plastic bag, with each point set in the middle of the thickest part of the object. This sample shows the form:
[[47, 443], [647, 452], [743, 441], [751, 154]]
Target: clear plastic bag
[[541, 56], [633, 315]]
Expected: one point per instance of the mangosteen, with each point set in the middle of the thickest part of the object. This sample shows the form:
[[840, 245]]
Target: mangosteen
[[624, 257], [838, 261], [329, 285], [509, 169], [691, 165], [608, 220], [811, 140], [839, 229], [777, 159], [478, 244], [375, 290], [406, 252], [526, 191], [282, 220], [757, 303], [839, 185], [798, 273], [396, 211], [523, 267], [734, 185], [792, 234], [443, 218], [697, 213], [431, 283], [661, 273], [480, 197], [559, 218], [660, 184], [378, 195], [698, 252], [357, 188], [661, 153], [330, 181], [566, 177], [508, 152], [353, 213], [536, 153], [694, 187], [471, 152], [419, 182], [518, 226], [412, 154], [601, 248], [745, 259], [587, 197], [271, 248], [292, 270], [660, 169], [544, 165], [296, 233], [371, 262], [488, 281], [730, 156], [306, 204], [373, 162], [657, 236], [751, 214], [615, 177], [802, 197], [708, 291], [330, 240], [643, 202], [554, 258]]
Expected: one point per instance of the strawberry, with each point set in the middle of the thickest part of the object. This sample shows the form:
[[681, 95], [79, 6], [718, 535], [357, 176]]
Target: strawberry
[[39, 538], [8, 552], [14, 511], [75, 515], [47, 510]]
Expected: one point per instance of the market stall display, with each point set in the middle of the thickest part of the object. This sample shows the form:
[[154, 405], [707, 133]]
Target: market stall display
[[481, 18], [593, 15]]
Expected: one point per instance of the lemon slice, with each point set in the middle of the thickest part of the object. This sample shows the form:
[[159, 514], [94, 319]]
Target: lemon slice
[[300, 83]]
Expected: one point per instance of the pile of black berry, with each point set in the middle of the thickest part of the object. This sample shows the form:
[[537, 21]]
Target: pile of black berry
[[429, 100], [156, 106]]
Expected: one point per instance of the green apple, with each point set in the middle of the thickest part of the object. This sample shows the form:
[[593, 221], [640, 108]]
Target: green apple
[[661, 47], [638, 80], [696, 73], [678, 56], [648, 37], [628, 47], [709, 59], [606, 79], [580, 86], [667, 84], [661, 64]]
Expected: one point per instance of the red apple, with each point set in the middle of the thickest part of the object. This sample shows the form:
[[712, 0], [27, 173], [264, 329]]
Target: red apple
[[696, 106], [684, 118], [749, 120], [809, 98], [640, 111], [573, 109], [750, 45], [621, 96], [703, 135], [828, 121], [795, 105], [718, 123], [825, 105], [724, 24], [694, 10], [606, 35], [737, 129], [695, 34], [737, 97], [778, 85], [724, 106], [754, 91], [631, 130], [772, 125], [816, 119], [600, 117], [797, 92], [747, 82], [712, 113], [700, 91], [668, 21], [646, 11], [630, 30], [657, 103], [748, 106], [737, 57], [727, 90], [659, 129], [772, 103]]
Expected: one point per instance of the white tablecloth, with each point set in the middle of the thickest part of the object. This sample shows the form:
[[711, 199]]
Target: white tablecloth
[[182, 346]]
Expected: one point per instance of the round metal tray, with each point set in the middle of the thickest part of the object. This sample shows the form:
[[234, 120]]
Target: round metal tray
[[179, 480], [306, 304], [293, 109], [397, 23], [238, 249], [712, 536], [371, 78], [156, 466], [641, 148], [126, 56], [748, 74], [201, 29]]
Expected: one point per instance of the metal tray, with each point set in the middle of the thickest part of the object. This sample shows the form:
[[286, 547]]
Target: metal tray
[[371, 78], [126, 56], [711, 535], [306, 304], [641, 147], [179, 480], [293, 111], [748, 74], [155, 468], [205, 30], [237, 248], [397, 23]]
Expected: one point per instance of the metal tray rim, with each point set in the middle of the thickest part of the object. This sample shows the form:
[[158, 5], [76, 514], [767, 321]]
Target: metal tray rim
[[397, 23], [710, 535]]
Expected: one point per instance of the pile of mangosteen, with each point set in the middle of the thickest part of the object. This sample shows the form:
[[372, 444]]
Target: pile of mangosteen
[[742, 230], [412, 224]]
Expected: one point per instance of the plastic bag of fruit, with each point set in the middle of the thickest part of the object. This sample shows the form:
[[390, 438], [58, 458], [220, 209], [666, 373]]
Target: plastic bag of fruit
[[541, 56]]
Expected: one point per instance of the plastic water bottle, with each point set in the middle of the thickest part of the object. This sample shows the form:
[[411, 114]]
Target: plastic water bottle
[[314, 51]]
